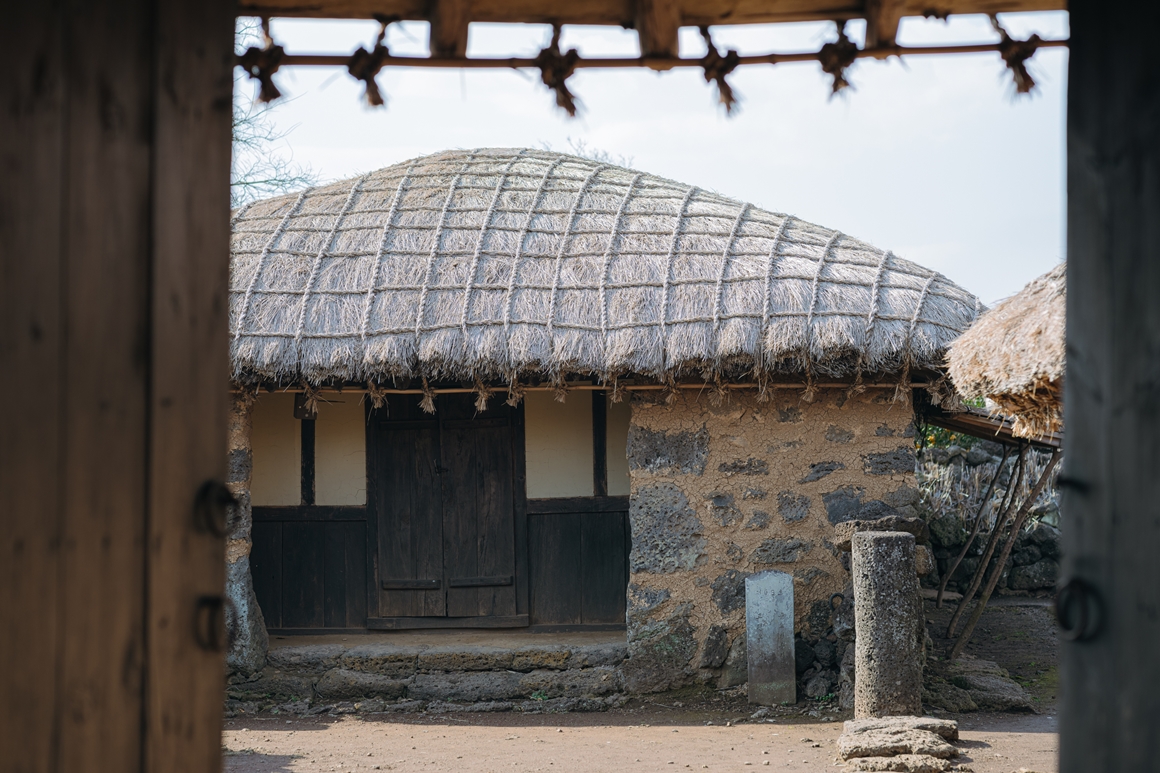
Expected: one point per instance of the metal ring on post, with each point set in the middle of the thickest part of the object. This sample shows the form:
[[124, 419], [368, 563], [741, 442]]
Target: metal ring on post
[[1078, 598], [841, 600], [212, 507]]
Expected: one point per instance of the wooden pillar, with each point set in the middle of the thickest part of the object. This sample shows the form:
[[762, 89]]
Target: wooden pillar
[[1111, 506], [114, 170]]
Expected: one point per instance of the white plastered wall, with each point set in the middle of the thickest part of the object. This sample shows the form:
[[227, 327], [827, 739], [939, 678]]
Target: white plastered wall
[[340, 459], [276, 440], [558, 445]]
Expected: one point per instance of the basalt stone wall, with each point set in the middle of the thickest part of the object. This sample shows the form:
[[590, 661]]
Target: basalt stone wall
[[723, 491]]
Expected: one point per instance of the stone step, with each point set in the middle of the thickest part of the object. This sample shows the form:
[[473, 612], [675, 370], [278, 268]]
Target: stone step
[[400, 673]]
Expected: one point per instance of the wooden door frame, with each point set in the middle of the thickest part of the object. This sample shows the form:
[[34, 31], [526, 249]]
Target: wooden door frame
[[520, 528]]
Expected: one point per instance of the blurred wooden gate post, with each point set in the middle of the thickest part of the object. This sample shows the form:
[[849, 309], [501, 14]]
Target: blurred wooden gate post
[[1110, 675], [114, 229]]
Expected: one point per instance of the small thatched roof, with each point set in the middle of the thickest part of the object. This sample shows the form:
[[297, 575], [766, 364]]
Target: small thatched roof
[[500, 263], [1014, 355]]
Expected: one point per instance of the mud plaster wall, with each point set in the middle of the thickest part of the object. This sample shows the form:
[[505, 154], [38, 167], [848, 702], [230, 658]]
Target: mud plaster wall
[[719, 492]]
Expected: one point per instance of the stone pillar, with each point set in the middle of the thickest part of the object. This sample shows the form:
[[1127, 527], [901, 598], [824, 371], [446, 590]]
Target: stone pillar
[[889, 626], [247, 654]]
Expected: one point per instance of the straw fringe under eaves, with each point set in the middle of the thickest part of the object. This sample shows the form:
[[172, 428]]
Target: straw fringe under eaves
[[496, 264], [1014, 355]]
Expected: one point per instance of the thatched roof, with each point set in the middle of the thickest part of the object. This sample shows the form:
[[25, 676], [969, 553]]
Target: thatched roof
[[500, 263], [1014, 355]]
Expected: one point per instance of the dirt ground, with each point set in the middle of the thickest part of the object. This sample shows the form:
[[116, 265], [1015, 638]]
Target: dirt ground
[[694, 730]]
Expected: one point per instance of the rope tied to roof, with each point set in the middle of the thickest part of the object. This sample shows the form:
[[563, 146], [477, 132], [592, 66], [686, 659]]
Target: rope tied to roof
[[261, 64], [836, 58], [717, 67], [556, 68], [377, 394], [364, 65], [1016, 54]]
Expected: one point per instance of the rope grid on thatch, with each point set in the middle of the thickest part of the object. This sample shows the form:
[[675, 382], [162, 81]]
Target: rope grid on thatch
[[500, 265], [556, 67]]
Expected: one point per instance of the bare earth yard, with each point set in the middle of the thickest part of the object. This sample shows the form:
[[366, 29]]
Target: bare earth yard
[[668, 733]]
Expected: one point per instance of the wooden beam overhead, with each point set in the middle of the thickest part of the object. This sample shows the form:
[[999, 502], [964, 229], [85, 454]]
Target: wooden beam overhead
[[626, 13], [882, 18], [658, 24], [449, 23]]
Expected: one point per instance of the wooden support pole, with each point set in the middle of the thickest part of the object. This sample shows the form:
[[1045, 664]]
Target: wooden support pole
[[1111, 533], [978, 524], [1009, 502], [997, 572]]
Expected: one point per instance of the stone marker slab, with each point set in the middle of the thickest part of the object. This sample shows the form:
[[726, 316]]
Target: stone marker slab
[[769, 638]]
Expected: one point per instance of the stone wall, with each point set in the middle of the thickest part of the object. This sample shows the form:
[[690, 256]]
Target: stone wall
[[722, 491]]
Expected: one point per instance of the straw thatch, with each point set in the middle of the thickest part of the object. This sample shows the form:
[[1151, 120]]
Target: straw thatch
[[1014, 355], [499, 263]]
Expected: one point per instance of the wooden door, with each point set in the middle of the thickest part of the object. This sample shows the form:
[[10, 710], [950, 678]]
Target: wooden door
[[478, 509], [446, 511]]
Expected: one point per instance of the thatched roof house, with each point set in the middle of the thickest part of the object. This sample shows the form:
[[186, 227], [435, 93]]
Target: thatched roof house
[[500, 263], [427, 506], [1014, 355]]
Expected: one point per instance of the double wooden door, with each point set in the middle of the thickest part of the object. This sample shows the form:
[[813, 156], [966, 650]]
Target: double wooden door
[[446, 508]]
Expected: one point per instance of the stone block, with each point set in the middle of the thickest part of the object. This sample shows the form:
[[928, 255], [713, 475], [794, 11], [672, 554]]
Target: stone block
[[465, 658], [659, 653], [820, 470], [847, 529], [843, 503], [889, 622], [306, 659], [780, 551], [729, 591], [668, 452], [792, 507], [469, 686], [722, 509], [1041, 574], [531, 658], [340, 684], [667, 536], [273, 685], [589, 655], [579, 683], [923, 560], [716, 647], [642, 601], [836, 434], [896, 462], [736, 668], [769, 638], [902, 763], [760, 520], [397, 662], [989, 686], [748, 466]]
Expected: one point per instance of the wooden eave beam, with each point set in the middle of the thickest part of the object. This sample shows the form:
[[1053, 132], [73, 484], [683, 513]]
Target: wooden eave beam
[[624, 13]]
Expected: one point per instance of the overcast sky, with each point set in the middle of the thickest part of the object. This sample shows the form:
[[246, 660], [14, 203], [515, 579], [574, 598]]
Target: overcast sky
[[933, 158]]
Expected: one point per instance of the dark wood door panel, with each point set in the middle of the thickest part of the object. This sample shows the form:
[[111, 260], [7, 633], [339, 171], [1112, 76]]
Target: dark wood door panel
[[579, 568], [443, 499], [407, 505]]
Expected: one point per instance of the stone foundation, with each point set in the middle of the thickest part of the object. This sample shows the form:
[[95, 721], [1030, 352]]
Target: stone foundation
[[722, 491], [414, 677]]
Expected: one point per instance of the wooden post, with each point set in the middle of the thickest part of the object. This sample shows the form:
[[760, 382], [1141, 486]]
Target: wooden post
[[114, 151], [1111, 529]]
